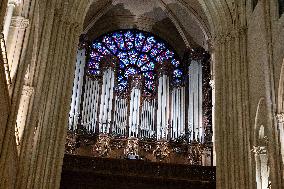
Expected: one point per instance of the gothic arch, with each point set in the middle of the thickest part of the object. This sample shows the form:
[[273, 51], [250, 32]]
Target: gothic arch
[[41, 163]]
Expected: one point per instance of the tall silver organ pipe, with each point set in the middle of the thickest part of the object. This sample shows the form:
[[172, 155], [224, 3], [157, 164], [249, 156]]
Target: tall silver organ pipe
[[195, 101], [163, 108], [134, 117], [120, 121], [147, 126], [77, 89], [177, 112], [106, 100], [90, 104]]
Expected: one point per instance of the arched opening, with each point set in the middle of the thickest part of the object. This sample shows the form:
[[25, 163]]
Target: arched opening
[[134, 97], [131, 84]]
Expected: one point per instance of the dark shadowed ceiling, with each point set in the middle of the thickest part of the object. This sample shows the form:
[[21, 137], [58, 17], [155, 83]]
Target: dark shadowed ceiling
[[180, 23]]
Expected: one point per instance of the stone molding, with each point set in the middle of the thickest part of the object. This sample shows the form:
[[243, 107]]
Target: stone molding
[[19, 22], [280, 118], [27, 91], [229, 35]]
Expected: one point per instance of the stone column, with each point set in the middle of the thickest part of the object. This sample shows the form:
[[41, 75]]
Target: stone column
[[27, 93], [8, 18], [232, 121], [51, 75], [280, 120], [14, 43]]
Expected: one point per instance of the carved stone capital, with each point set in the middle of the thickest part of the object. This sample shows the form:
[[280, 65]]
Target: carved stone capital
[[280, 117], [14, 2], [259, 150], [27, 91], [19, 22]]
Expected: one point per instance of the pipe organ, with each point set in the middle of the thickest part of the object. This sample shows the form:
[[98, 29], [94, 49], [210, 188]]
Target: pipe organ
[[132, 85], [135, 115]]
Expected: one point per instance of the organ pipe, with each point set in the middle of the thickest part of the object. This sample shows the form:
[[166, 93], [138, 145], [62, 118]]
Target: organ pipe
[[77, 89], [195, 100], [167, 115]]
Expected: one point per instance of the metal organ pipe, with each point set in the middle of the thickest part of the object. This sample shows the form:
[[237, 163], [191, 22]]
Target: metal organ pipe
[[163, 108], [165, 115], [183, 110], [77, 89], [106, 103], [195, 100]]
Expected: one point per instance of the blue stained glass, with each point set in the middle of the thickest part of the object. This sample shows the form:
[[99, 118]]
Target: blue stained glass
[[177, 73], [161, 58], [118, 38], [139, 40], [94, 65], [169, 54], [148, 66], [143, 59], [110, 44], [150, 42], [122, 55], [175, 62], [96, 58], [123, 58], [177, 81], [149, 84], [149, 75], [94, 54], [122, 65], [133, 55], [130, 71], [138, 53], [129, 45], [125, 62], [159, 47], [100, 48], [120, 78], [129, 36], [122, 85], [94, 72]]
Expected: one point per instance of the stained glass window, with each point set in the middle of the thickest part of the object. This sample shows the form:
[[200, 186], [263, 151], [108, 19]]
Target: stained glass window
[[138, 52]]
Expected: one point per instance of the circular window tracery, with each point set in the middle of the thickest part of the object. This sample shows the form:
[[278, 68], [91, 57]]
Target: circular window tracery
[[138, 53]]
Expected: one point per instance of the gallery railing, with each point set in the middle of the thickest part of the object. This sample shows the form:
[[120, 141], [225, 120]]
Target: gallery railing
[[139, 168]]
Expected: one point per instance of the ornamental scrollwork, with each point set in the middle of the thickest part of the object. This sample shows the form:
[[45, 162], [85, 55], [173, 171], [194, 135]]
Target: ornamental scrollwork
[[195, 153], [162, 151], [131, 148], [102, 147]]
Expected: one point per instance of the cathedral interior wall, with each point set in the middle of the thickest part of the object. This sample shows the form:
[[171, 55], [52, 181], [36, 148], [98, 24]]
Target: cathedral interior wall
[[264, 58]]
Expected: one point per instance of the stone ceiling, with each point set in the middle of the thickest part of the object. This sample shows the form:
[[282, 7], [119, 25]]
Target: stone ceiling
[[181, 23]]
